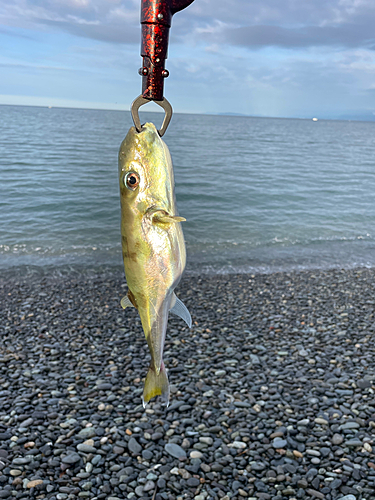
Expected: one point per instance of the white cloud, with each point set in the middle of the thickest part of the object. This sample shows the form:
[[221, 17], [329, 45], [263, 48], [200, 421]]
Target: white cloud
[[309, 22]]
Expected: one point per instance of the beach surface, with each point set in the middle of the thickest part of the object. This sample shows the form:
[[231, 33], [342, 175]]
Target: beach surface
[[272, 390]]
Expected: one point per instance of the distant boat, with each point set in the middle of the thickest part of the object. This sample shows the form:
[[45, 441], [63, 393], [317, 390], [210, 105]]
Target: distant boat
[[315, 119], [50, 107]]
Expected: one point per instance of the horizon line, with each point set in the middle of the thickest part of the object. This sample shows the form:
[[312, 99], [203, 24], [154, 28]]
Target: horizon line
[[238, 115]]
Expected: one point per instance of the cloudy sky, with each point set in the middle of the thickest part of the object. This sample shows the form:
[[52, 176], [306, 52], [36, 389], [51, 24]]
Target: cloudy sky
[[290, 58]]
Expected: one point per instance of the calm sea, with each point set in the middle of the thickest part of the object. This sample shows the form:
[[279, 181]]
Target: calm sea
[[259, 194]]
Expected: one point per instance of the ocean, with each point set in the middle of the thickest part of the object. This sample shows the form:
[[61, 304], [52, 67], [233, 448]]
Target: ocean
[[259, 194]]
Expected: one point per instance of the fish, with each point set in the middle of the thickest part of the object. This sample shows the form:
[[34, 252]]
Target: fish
[[153, 245]]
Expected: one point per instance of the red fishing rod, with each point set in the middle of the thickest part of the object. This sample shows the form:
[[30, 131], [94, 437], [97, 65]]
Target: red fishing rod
[[156, 20]]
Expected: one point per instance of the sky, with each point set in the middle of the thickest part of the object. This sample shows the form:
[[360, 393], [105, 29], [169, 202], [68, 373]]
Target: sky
[[287, 58]]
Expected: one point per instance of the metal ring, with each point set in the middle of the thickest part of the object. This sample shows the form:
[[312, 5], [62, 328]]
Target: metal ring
[[140, 101]]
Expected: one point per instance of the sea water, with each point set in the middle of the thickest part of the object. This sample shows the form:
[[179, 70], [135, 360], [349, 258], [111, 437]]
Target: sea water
[[259, 194]]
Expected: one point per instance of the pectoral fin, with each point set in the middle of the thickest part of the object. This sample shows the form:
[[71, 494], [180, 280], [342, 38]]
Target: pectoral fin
[[179, 309], [125, 302], [165, 218]]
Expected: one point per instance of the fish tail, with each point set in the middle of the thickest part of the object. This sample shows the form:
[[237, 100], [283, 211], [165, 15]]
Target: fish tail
[[156, 384]]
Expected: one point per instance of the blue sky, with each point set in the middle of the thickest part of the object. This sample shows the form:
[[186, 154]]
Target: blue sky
[[262, 57]]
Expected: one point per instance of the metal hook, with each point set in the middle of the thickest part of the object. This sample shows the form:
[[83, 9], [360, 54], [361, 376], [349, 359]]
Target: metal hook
[[140, 101]]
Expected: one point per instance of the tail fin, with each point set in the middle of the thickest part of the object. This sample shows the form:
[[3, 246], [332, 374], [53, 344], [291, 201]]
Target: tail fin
[[156, 385]]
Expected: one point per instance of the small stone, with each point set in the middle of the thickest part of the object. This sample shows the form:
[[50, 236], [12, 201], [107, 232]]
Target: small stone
[[313, 453], [242, 492], [325, 451], [119, 450], [152, 476], [21, 460], [71, 459], [147, 455], [302, 483], [239, 445], [196, 454], [289, 491], [134, 446], [104, 387], [193, 482], [353, 443], [161, 483], [311, 473], [350, 425], [184, 473], [33, 484], [175, 450], [321, 421], [337, 439], [363, 384], [303, 422], [85, 448], [277, 434], [297, 454], [87, 432], [150, 485], [315, 493], [367, 447], [279, 443], [335, 484], [27, 422], [206, 440], [15, 472], [258, 466], [185, 443], [96, 459], [139, 491], [156, 436]]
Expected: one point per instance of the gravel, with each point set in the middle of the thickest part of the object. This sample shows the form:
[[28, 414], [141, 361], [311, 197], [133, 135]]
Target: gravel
[[272, 390]]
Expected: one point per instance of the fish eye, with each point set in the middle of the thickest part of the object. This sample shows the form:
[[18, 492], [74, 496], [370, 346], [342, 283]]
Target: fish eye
[[131, 180]]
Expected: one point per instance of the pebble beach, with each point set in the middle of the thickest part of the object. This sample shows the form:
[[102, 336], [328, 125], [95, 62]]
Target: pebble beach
[[272, 390]]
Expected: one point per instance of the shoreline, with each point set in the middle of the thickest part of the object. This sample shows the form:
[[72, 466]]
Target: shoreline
[[272, 390], [67, 270]]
